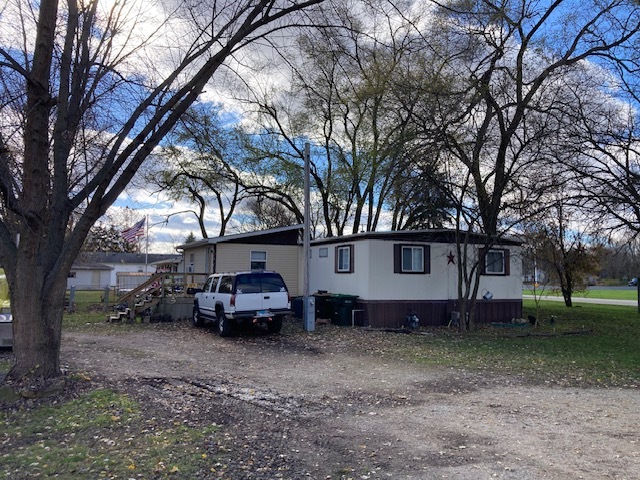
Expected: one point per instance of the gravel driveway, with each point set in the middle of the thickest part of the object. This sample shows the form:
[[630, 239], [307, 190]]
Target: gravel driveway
[[332, 404]]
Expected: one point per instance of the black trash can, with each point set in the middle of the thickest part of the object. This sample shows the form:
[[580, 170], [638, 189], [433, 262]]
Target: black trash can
[[343, 306], [324, 307], [297, 305]]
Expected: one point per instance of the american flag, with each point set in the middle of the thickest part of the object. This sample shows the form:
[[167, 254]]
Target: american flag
[[131, 233]]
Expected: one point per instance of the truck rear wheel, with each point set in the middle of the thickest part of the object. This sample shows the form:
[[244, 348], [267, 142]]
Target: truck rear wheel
[[225, 326]]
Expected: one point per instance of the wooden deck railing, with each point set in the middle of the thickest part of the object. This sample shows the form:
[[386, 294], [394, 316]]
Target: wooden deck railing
[[161, 284]]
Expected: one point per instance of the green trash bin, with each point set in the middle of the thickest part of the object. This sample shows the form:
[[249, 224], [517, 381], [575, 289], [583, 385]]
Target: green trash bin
[[343, 306]]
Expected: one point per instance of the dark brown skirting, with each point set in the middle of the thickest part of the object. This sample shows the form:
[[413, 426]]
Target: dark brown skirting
[[432, 313]]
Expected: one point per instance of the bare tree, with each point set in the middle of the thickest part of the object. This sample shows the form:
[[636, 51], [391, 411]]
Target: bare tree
[[513, 60], [200, 165], [562, 250], [506, 111], [608, 165], [77, 72], [267, 213], [342, 99]]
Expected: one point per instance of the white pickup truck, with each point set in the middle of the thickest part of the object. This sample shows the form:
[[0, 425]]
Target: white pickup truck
[[231, 299]]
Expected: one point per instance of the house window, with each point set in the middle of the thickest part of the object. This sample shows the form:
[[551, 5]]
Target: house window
[[323, 252], [71, 275], [344, 259], [411, 259], [258, 260], [496, 262]]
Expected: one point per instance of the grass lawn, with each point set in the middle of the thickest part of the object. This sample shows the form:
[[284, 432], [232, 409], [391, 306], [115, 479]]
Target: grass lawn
[[607, 354], [586, 345], [101, 434], [610, 294]]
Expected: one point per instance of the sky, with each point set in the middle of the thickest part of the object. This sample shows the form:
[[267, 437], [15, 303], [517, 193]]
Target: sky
[[169, 222]]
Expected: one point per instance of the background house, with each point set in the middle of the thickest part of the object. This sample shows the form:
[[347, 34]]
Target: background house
[[275, 249], [120, 263], [395, 273], [86, 275]]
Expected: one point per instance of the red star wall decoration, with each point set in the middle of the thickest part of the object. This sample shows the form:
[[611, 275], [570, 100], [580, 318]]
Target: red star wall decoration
[[451, 258]]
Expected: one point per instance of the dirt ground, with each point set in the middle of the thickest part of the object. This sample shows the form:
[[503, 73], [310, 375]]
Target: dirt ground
[[332, 405]]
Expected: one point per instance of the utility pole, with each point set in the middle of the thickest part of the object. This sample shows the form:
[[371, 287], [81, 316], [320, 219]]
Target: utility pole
[[309, 304]]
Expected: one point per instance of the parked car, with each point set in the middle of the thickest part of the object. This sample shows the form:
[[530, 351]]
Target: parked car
[[232, 299], [633, 282], [6, 319]]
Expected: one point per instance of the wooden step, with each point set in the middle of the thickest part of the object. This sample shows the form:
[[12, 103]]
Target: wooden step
[[118, 316]]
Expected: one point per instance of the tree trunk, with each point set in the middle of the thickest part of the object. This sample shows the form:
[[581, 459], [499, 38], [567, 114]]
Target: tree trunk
[[566, 294], [37, 307]]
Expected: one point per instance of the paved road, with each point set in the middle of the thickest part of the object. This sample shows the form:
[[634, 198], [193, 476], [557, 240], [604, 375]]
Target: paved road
[[602, 301]]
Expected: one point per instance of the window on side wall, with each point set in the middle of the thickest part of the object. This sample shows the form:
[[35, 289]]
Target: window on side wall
[[496, 262], [258, 260], [411, 259], [344, 259]]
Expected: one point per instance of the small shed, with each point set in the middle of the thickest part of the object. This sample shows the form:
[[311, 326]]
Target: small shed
[[89, 275]]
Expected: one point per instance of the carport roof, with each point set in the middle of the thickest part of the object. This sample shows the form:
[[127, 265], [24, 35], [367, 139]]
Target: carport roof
[[289, 235]]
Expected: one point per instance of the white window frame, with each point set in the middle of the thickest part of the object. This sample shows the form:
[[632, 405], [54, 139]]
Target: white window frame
[[414, 268], [490, 262], [254, 259], [342, 257]]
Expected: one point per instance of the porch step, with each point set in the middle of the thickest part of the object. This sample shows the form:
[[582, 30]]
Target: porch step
[[138, 308], [118, 316]]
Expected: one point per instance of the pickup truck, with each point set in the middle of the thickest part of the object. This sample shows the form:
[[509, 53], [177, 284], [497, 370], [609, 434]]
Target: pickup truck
[[232, 299]]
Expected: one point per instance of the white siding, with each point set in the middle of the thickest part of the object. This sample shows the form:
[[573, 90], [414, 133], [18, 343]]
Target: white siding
[[89, 279], [374, 278], [387, 285], [126, 267], [324, 277]]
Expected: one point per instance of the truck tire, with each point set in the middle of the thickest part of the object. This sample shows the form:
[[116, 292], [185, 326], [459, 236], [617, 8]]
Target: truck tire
[[196, 318], [275, 325], [225, 326]]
